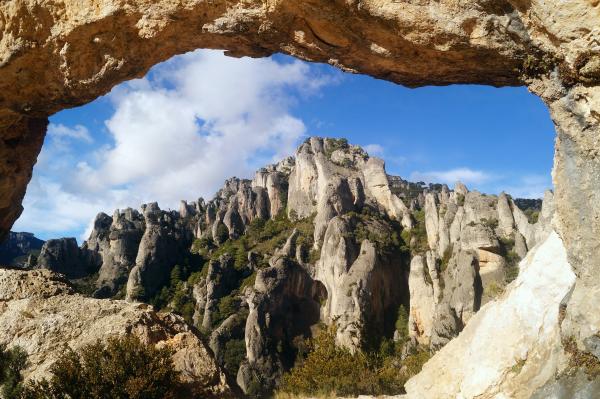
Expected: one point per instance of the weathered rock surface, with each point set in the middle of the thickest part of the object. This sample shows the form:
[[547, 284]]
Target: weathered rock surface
[[164, 244], [58, 54], [40, 313], [283, 305], [117, 240], [64, 256], [364, 286], [475, 241], [512, 346], [331, 178]]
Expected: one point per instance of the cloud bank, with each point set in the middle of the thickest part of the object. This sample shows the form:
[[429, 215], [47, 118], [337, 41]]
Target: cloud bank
[[177, 134]]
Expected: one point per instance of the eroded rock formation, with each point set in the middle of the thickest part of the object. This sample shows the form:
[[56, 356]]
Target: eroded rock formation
[[57, 54], [40, 313]]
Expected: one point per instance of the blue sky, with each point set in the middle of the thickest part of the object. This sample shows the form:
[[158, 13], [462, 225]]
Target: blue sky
[[202, 117]]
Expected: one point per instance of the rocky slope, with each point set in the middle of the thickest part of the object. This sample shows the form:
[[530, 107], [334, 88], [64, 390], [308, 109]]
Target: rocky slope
[[40, 313], [20, 249], [325, 236]]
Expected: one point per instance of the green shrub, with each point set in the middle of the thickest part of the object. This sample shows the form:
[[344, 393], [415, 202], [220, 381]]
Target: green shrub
[[489, 223], [235, 352], [532, 215], [446, 258], [12, 362], [121, 368], [417, 236], [402, 323], [222, 233], [328, 370]]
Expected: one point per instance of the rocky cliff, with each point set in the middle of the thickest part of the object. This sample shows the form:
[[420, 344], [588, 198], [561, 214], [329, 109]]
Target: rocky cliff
[[326, 237], [20, 250], [40, 313]]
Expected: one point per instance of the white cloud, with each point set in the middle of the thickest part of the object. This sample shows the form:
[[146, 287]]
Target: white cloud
[[530, 186], [78, 132], [464, 175], [199, 119], [375, 150]]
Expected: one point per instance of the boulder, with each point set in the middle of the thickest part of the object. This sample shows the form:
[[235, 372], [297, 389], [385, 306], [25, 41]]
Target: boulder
[[40, 313]]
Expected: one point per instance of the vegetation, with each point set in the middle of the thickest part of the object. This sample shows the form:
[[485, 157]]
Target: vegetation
[[12, 362], [402, 323], [121, 368], [446, 258], [530, 207], [579, 359], [85, 285], [507, 245], [176, 295], [416, 238], [384, 233], [489, 223], [333, 145], [532, 215], [262, 238], [235, 352], [328, 370]]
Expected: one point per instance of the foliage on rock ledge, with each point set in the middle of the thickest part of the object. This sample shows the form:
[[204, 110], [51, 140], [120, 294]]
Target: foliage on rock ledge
[[121, 368], [327, 370]]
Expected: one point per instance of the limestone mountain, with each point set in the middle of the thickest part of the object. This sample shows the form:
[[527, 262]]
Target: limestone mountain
[[324, 237]]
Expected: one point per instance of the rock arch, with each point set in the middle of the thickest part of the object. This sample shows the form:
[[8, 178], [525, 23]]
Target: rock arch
[[64, 53]]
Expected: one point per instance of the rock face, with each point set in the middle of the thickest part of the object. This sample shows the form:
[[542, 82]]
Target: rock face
[[331, 178], [164, 244], [283, 305], [117, 240], [474, 243], [58, 54], [513, 355], [40, 313], [323, 237], [17, 248], [365, 285], [64, 256]]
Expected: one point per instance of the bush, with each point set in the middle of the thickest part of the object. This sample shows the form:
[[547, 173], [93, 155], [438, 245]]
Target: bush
[[329, 370], [489, 223], [446, 258], [12, 363], [402, 323], [235, 353], [122, 368]]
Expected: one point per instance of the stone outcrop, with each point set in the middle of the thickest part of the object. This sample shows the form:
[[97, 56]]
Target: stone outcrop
[[331, 178], [18, 247], [165, 243], [117, 240], [40, 313], [343, 261], [474, 241], [364, 286], [64, 256], [512, 346], [283, 304]]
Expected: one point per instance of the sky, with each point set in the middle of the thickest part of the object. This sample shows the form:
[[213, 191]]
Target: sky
[[202, 117]]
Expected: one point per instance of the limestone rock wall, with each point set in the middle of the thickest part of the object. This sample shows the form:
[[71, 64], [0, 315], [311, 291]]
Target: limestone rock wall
[[511, 347]]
